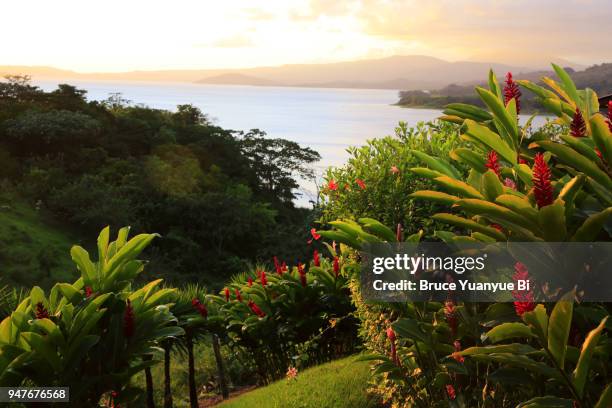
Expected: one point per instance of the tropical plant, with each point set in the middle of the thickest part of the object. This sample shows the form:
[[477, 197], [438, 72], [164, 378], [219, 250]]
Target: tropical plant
[[91, 335]]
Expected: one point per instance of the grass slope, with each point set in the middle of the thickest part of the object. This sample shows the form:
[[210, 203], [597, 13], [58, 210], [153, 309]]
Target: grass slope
[[339, 384], [34, 250]]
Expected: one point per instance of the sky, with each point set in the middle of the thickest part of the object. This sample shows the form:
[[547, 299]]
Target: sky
[[112, 35]]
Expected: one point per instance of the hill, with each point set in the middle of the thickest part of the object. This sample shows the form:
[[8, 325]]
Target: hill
[[408, 72], [596, 77]]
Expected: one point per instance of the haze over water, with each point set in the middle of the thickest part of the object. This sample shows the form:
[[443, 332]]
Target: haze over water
[[326, 119]]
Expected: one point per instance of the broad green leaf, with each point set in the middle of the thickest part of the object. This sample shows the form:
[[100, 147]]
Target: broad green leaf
[[591, 227], [491, 186], [569, 191], [469, 157], [519, 205], [103, 245], [537, 319], [581, 372], [478, 133], [458, 187], [605, 399], [559, 327], [411, 329], [469, 111], [602, 137], [582, 145], [567, 84], [469, 224], [494, 85], [377, 228], [486, 208], [552, 221], [508, 331], [500, 112], [514, 348], [425, 172], [437, 164], [81, 257], [536, 89], [435, 196], [547, 402]]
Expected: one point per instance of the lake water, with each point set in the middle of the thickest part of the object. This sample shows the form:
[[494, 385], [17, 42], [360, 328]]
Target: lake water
[[325, 119]]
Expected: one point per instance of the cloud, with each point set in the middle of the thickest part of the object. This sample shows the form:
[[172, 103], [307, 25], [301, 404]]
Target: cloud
[[233, 41]]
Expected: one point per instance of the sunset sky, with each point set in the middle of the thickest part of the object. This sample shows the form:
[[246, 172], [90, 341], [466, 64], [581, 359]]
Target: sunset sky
[[115, 35]]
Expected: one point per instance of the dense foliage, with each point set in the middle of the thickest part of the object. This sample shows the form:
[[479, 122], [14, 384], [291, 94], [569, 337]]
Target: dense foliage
[[220, 199], [522, 185], [377, 177]]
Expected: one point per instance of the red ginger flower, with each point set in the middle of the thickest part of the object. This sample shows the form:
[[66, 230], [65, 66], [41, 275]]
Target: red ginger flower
[[392, 339], [197, 305], [255, 309], [250, 281], [262, 277], [610, 115], [88, 291], [277, 266], [493, 162], [542, 188], [450, 391], [41, 312], [336, 266], [238, 295], [450, 314], [284, 267], [456, 356], [128, 320], [578, 126], [524, 301], [227, 294], [512, 91], [302, 274], [316, 260], [360, 183]]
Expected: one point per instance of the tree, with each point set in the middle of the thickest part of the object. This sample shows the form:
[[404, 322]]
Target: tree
[[277, 163]]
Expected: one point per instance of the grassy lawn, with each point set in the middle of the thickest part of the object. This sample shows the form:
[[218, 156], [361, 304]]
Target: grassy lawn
[[339, 384]]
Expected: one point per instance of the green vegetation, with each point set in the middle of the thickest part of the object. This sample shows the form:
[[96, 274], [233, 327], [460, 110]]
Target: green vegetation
[[221, 200], [32, 245], [523, 186], [339, 384]]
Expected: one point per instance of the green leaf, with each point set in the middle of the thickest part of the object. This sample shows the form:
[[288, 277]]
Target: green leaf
[[425, 172], [469, 157], [486, 208], [547, 402], [435, 196], [103, 245], [602, 137], [559, 328], [552, 221], [568, 85], [491, 185], [478, 133], [469, 224], [537, 319], [494, 84], [411, 329], [524, 173], [536, 89], [581, 372], [437, 164], [377, 228], [500, 112], [519, 205], [514, 348], [508, 331], [569, 191], [591, 227], [605, 399], [81, 258], [458, 187], [469, 111]]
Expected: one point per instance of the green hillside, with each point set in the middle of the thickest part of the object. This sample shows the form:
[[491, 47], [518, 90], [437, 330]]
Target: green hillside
[[34, 250]]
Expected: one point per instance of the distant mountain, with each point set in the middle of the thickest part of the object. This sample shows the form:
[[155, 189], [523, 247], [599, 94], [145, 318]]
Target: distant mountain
[[412, 72], [597, 77]]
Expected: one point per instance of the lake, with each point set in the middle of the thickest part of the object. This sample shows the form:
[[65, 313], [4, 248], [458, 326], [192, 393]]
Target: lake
[[325, 119]]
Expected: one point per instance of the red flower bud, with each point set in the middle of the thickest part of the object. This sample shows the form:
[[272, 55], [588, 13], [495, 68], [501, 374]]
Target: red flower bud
[[524, 300], [542, 188], [360, 183], [277, 266], [41, 312], [450, 391], [250, 281], [391, 337], [315, 258], [197, 305], [255, 309], [493, 162], [227, 294], [336, 266], [262, 277], [128, 320], [238, 295], [88, 291], [578, 126], [512, 91], [302, 274]]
